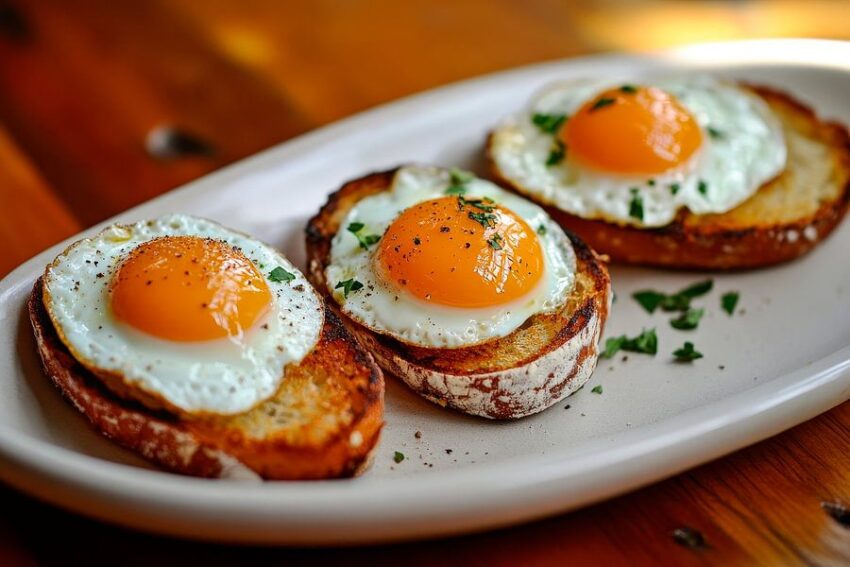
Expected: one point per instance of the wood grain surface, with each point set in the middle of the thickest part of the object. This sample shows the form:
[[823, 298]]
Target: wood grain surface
[[106, 104]]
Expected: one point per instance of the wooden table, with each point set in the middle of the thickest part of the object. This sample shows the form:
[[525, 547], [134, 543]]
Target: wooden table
[[84, 83]]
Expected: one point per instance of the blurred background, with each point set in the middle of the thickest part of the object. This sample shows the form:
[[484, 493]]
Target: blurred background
[[106, 104]]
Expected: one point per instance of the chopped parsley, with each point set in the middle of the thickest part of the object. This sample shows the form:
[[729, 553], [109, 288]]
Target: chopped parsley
[[597, 389], [557, 153], [687, 320], [455, 190], [458, 179], [548, 123], [348, 286], [602, 102], [674, 188], [686, 353], [636, 205], [487, 220], [541, 230], [650, 182], [729, 301], [646, 343], [702, 187], [281, 275], [459, 176], [650, 300], [495, 242], [714, 132], [365, 240], [486, 204], [398, 457], [628, 89]]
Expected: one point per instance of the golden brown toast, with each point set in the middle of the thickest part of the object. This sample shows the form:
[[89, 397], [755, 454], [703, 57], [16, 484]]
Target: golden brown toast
[[323, 422], [550, 356], [786, 218]]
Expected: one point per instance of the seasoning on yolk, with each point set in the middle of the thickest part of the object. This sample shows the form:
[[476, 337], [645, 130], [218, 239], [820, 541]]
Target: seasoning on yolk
[[187, 288], [640, 130], [439, 252]]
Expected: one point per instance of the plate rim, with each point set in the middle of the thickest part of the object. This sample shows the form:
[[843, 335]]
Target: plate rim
[[524, 489]]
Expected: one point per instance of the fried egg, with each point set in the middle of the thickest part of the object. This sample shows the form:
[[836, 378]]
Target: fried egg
[[445, 259], [200, 318], [635, 154]]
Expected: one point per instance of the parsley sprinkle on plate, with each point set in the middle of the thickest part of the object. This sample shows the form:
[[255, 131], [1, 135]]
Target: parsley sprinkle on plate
[[646, 343], [398, 457], [650, 300], [687, 353], [687, 320], [729, 301]]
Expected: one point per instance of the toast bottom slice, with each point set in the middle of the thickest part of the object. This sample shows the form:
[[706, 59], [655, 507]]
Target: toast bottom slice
[[323, 422], [550, 356]]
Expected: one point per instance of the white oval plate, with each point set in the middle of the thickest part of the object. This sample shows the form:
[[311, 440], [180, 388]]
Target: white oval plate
[[786, 359]]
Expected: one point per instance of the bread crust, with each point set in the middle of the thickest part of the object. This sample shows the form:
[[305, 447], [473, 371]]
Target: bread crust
[[227, 447], [728, 241], [547, 358]]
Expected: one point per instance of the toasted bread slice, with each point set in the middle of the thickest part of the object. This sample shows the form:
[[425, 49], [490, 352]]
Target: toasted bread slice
[[786, 218], [550, 356], [323, 421]]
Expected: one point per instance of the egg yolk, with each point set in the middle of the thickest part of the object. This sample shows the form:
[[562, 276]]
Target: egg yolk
[[460, 252], [632, 130], [187, 288]]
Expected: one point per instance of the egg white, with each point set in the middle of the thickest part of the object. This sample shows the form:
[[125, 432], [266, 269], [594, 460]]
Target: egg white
[[223, 376], [749, 151], [399, 314]]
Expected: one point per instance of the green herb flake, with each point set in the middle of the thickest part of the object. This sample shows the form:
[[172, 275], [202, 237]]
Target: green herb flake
[[458, 179], [636, 205], [486, 204], [702, 187], [548, 123], [281, 275], [487, 220], [458, 176], [674, 188], [729, 301], [628, 89], [398, 457], [613, 345], [688, 320], [455, 190], [687, 353], [714, 132], [541, 230], [697, 289], [646, 343], [597, 389], [650, 182], [602, 102], [365, 240], [349, 286], [416, 241], [495, 242], [557, 153], [648, 299]]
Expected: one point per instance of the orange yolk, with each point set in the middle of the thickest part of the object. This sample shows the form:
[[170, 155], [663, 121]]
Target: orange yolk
[[641, 130], [187, 288], [441, 251]]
